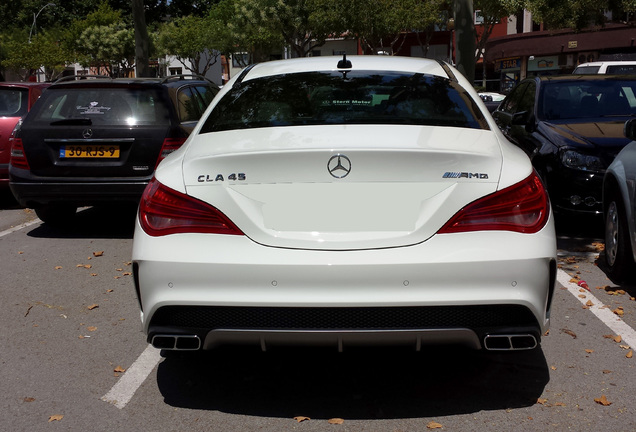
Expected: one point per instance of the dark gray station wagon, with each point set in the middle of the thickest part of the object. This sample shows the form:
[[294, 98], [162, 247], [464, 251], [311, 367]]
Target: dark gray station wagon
[[97, 141]]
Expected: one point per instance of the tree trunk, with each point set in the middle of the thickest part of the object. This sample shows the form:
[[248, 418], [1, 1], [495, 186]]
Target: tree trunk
[[142, 44], [465, 38]]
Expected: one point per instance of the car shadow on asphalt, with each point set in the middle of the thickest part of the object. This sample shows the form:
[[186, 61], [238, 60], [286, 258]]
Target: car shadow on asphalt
[[8, 201], [115, 221], [369, 384]]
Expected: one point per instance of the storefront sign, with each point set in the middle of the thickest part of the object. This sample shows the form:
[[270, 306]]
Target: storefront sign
[[508, 64], [543, 63]]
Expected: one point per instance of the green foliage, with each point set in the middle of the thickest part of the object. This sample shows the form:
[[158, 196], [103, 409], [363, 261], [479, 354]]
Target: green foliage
[[191, 40], [42, 53], [108, 46], [98, 32], [576, 14], [248, 30]]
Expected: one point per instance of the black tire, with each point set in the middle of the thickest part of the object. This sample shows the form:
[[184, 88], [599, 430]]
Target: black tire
[[56, 214], [618, 250]]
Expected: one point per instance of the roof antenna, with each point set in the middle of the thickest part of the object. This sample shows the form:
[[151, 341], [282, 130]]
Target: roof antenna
[[344, 63]]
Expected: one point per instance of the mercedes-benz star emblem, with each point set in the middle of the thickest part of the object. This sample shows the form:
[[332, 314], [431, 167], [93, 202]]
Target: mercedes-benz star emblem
[[87, 133], [339, 166]]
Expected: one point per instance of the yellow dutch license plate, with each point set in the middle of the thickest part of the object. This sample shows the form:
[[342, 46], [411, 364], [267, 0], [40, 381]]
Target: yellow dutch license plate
[[89, 151]]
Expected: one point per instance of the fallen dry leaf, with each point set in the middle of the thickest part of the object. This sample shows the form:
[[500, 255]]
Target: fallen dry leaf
[[56, 417], [58, 267], [335, 421], [98, 254], [29, 399], [119, 369], [542, 401], [434, 425], [559, 404], [301, 418], [607, 371], [589, 351], [599, 246], [616, 338], [630, 354], [93, 306], [589, 303], [570, 332], [619, 311], [91, 328], [602, 401]]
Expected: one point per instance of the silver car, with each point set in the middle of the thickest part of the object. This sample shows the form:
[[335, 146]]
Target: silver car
[[619, 202]]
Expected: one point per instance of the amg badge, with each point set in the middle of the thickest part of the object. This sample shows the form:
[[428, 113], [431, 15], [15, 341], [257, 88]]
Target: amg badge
[[480, 176]]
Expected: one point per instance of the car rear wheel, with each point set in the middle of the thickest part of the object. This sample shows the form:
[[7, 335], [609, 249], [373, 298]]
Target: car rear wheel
[[618, 251], [56, 214]]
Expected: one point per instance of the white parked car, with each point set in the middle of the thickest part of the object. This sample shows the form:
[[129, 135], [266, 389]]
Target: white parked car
[[607, 67], [619, 204], [345, 201]]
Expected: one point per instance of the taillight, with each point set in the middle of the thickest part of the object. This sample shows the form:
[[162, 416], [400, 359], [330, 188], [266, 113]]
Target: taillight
[[18, 158], [169, 145], [164, 211], [523, 207]]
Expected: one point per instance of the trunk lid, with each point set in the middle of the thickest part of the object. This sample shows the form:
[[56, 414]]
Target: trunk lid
[[391, 185]]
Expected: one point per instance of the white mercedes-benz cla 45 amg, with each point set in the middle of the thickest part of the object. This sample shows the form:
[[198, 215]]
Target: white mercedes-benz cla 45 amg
[[345, 201]]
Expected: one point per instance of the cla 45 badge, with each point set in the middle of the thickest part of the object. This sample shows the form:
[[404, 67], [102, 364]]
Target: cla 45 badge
[[206, 178]]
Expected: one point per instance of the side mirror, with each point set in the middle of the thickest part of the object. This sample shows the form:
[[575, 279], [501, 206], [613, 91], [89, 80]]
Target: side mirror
[[524, 118], [520, 118], [629, 130]]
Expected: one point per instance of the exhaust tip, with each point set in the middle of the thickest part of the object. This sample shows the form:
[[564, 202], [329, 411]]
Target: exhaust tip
[[510, 342], [176, 342]]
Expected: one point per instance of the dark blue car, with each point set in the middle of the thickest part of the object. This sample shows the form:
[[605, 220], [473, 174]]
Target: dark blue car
[[571, 127]]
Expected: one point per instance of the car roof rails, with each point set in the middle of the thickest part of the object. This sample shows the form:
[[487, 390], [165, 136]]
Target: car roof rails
[[183, 77], [80, 77]]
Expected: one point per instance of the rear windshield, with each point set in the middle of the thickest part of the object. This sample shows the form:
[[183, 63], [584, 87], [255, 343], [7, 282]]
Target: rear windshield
[[586, 70], [357, 97], [101, 106], [14, 102]]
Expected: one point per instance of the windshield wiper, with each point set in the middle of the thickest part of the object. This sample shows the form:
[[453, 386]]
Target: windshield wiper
[[80, 121]]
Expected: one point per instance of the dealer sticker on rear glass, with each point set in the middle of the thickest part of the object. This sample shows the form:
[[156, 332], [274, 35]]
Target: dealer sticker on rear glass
[[92, 108]]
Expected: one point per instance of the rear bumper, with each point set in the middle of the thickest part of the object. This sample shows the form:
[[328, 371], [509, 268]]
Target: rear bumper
[[34, 194], [4, 176], [453, 288]]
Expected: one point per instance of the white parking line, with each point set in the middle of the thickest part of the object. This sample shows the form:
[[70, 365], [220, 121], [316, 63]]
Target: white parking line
[[602, 312], [133, 378], [19, 227]]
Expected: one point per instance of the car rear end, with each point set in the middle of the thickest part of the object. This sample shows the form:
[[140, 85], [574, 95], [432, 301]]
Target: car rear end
[[373, 216], [92, 141], [15, 101]]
